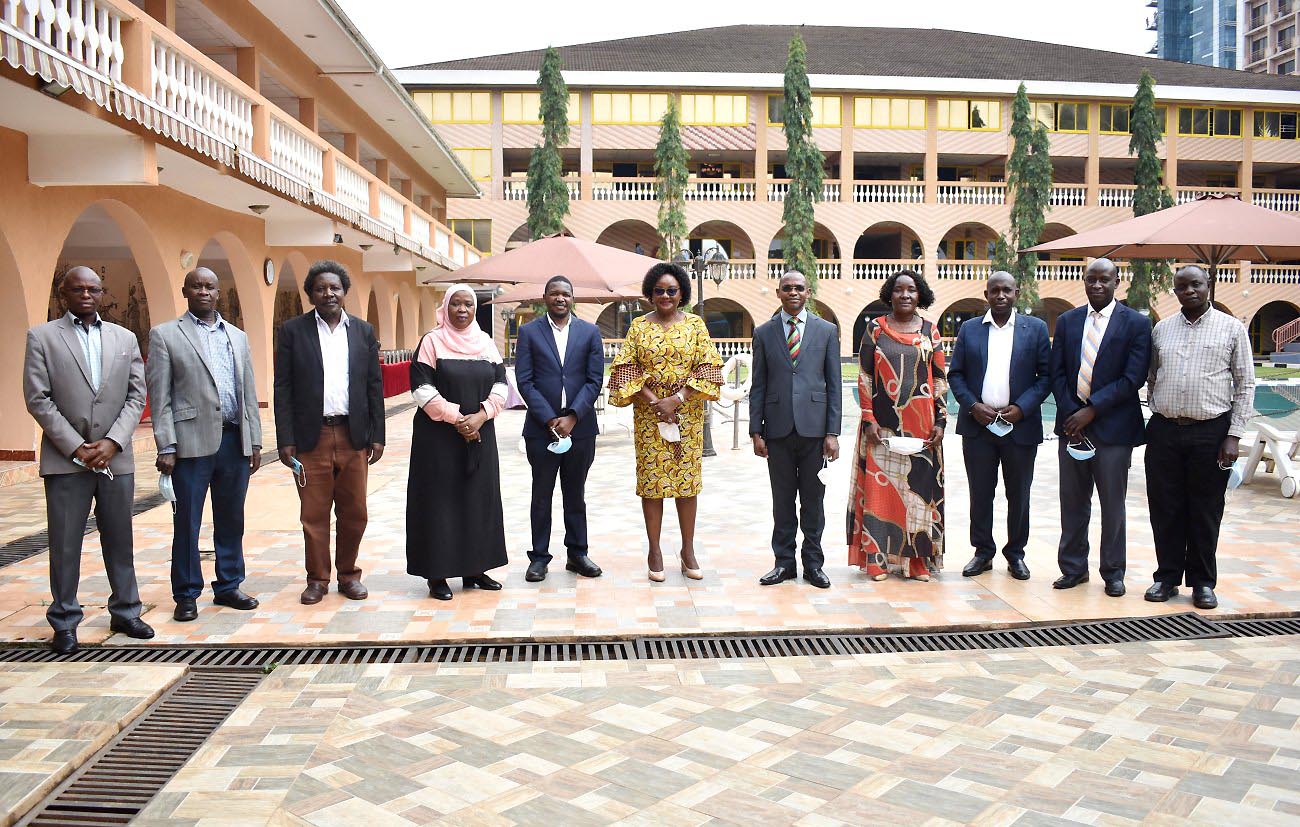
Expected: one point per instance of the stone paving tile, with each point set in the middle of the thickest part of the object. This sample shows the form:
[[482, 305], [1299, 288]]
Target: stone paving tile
[[945, 768], [55, 716]]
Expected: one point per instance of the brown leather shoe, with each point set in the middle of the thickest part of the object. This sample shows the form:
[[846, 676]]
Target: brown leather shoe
[[353, 590], [313, 593]]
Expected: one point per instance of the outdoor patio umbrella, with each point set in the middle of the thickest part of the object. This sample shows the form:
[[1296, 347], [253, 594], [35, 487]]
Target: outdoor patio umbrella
[[585, 263], [525, 293], [1213, 229]]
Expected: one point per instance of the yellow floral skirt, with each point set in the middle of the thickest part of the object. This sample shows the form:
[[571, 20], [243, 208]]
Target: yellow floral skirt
[[661, 471]]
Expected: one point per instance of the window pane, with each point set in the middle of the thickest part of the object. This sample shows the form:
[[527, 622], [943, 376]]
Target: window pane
[[640, 108], [688, 109], [830, 111], [945, 114], [1287, 126], [898, 113], [622, 112], [1223, 122], [704, 110], [1045, 113], [512, 109], [916, 113], [1065, 118], [481, 106], [602, 106], [575, 107], [776, 109], [979, 115], [862, 111], [994, 114], [658, 106], [1081, 117]]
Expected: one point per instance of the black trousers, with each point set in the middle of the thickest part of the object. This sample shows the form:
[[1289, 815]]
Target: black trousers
[[572, 467], [68, 499], [1108, 473], [1185, 491], [984, 453], [792, 465]]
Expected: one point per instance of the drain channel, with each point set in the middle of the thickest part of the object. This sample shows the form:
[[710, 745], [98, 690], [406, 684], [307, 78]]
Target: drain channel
[[118, 782], [1186, 626]]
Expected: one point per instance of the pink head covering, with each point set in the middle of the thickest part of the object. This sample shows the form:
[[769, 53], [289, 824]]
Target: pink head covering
[[470, 343]]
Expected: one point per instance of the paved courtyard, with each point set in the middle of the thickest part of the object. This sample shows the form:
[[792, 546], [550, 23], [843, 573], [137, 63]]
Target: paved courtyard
[[1259, 563]]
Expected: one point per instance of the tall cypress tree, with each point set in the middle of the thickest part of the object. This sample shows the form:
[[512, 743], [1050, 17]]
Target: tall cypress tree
[[671, 168], [548, 195], [803, 163], [1029, 179], [1150, 276]]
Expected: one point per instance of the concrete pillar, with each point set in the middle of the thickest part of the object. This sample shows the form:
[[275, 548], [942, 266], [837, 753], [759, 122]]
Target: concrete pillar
[[248, 67], [759, 104], [931, 156], [846, 149], [586, 164], [164, 11], [496, 186], [1092, 166], [308, 115], [352, 146]]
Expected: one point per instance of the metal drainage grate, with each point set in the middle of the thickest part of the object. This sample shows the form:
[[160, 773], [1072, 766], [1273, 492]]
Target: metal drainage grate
[[33, 544], [116, 784], [1261, 627]]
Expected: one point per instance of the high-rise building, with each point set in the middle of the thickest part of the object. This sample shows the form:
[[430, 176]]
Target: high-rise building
[[1197, 31], [1268, 41]]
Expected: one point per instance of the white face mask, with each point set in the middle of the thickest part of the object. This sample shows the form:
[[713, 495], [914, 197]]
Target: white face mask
[[165, 488], [999, 427], [560, 445], [670, 431], [824, 475], [1236, 473], [1082, 450]]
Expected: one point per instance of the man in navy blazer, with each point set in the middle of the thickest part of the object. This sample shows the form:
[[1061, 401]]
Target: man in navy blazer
[[560, 368], [1099, 361], [1000, 377]]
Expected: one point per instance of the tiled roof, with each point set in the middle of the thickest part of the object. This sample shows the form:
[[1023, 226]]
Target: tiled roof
[[844, 50]]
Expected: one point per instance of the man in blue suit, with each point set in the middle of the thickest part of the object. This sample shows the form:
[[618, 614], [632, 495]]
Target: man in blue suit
[[999, 374], [560, 368], [1099, 361]]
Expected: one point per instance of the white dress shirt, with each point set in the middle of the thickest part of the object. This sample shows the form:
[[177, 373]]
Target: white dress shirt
[[996, 390], [1104, 322], [561, 334], [334, 360]]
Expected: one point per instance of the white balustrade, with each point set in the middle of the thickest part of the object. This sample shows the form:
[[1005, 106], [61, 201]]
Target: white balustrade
[[200, 100], [828, 269], [471, 256], [719, 190], [881, 268], [1059, 271], [742, 270], [972, 193], [1284, 200], [965, 270], [733, 347], [575, 188], [775, 269], [351, 187], [442, 242], [831, 192], [1274, 274], [1116, 196], [77, 43], [626, 189], [1068, 195], [889, 192], [776, 190], [420, 227], [514, 189], [1188, 194], [296, 154], [391, 212]]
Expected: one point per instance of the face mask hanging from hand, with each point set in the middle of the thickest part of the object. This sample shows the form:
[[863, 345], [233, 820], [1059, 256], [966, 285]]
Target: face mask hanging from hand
[[561, 443], [999, 427], [670, 431], [1081, 450]]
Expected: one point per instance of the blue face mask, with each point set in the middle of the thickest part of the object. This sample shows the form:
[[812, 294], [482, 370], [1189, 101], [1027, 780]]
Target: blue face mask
[[1081, 450], [1236, 473], [165, 488], [560, 445], [999, 427]]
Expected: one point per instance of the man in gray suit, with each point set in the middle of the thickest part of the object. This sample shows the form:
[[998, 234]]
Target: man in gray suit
[[209, 435], [83, 380], [794, 419]]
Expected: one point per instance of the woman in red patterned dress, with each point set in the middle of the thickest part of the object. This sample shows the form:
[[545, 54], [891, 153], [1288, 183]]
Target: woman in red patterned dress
[[895, 517]]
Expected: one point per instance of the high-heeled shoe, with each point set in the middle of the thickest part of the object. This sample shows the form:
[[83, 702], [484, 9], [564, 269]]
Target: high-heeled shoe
[[655, 576], [693, 574]]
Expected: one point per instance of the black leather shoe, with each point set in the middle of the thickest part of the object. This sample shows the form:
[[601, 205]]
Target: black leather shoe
[[135, 627], [817, 577], [481, 581], [64, 641], [235, 599], [536, 572], [439, 590], [977, 565], [186, 610], [776, 575], [1203, 598], [1017, 569], [1069, 581], [583, 566], [1115, 588], [1160, 592]]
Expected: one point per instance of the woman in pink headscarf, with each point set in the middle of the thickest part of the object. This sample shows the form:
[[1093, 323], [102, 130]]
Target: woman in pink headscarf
[[454, 526]]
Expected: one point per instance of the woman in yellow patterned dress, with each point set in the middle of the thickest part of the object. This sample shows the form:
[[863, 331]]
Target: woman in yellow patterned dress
[[668, 369]]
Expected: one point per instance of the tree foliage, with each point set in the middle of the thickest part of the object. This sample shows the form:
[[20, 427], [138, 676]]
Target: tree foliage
[[1029, 180], [804, 164], [1150, 276], [548, 195], [671, 168]]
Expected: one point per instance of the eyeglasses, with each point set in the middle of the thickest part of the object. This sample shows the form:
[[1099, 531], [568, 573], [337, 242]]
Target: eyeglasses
[[792, 288], [93, 291], [666, 291]]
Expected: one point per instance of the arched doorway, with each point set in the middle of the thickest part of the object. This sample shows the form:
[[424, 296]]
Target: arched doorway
[[971, 241], [957, 313], [824, 310], [616, 318], [888, 240], [730, 237], [824, 244], [1049, 310], [630, 234], [727, 319], [288, 293], [16, 432], [372, 310], [1268, 319], [401, 324], [241, 301], [871, 311]]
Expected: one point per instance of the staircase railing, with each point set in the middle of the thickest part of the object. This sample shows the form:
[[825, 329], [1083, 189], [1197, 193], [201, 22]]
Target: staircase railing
[[1286, 334]]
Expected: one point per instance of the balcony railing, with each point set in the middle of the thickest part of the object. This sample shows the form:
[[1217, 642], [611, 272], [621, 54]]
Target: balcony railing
[[298, 153], [972, 192], [828, 268], [1068, 195], [1275, 274], [726, 347], [720, 189], [1188, 194], [625, 189], [889, 192], [1060, 270], [742, 269], [881, 268], [777, 189], [515, 188], [1116, 195], [77, 43], [1284, 200], [969, 270]]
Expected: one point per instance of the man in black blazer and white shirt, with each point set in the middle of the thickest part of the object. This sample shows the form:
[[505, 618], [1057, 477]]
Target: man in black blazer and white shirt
[[795, 401], [329, 416]]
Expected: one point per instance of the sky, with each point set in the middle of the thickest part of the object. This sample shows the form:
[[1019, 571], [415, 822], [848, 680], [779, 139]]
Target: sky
[[407, 32]]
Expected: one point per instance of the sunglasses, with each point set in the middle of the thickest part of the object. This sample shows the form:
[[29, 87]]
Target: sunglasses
[[793, 288], [666, 291]]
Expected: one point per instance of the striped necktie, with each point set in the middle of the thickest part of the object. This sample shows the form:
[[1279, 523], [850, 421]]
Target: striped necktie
[[792, 341], [1091, 341]]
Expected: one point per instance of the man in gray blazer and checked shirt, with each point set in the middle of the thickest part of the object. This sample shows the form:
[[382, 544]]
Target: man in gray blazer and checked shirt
[[795, 400], [83, 380]]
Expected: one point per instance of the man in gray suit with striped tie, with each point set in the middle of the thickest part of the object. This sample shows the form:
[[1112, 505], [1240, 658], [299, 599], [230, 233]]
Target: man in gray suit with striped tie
[[794, 420]]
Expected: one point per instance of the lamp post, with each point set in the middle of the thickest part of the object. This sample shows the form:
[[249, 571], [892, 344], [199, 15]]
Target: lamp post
[[714, 264], [507, 313]]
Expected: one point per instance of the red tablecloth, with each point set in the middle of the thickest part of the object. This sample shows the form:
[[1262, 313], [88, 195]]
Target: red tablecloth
[[397, 378]]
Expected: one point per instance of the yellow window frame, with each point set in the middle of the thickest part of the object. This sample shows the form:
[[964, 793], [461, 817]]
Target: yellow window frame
[[868, 104], [471, 165], [575, 107], [481, 244], [1101, 118], [478, 101], [1212, 110], [628, 117], [948, 102], [821, 105], [1056, 105], [1254, 127], [693, 111]]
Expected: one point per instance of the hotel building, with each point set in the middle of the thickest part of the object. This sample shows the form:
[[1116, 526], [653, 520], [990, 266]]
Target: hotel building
[[1268, 36], [913, 125], [252, 137]]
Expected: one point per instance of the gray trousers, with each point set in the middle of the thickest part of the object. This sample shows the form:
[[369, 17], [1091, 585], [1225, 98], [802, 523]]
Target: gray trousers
[[67, 507], [1108, 472]]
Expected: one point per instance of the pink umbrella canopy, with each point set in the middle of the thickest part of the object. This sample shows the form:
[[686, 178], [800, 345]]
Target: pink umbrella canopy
[[585, 263], [524, 293], [1212, 229]]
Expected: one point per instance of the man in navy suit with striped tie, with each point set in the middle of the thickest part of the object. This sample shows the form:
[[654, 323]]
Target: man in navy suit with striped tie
[[1099, 361]]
